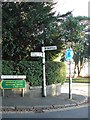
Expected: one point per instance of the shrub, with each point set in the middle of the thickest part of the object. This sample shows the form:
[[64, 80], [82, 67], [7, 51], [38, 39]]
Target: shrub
[[55, 71], [7, 67], [32, 69]]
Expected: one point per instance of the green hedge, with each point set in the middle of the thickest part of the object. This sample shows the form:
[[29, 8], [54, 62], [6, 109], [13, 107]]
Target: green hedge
[[55, 71], [32, 69]]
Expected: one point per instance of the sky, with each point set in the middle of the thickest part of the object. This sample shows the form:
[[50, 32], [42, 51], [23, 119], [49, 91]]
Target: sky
[[79, 7]]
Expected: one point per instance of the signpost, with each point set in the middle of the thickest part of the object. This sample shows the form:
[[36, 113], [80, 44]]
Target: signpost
[[44, 74], [69, 54], [50, 48], [42, 54], [36, 54], [45, 48], [68, 57]]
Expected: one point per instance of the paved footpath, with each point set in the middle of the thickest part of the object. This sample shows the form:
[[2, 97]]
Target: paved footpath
[[17, 103]]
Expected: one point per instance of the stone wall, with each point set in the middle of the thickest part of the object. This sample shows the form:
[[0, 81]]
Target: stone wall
[[51, 90], [85, 71]]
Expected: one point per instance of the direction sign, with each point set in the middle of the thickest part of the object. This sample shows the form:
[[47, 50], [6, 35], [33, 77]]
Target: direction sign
[[42, 54], [69, 54], [36, 54], [50, 47]]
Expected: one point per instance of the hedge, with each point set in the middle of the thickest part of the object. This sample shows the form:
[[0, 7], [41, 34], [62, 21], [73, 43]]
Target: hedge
[[55, 71]]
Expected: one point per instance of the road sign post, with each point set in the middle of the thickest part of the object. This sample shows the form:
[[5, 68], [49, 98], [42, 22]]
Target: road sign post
[[70, 81], [45, 48], [42, 54], [69, 56], [44, 76]]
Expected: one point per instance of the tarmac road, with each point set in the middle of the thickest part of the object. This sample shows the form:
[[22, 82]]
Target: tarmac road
[[77, 88], [73, 112]]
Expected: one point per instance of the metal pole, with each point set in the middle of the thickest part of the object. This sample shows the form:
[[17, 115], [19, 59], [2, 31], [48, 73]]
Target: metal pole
[[22, 92], [44, 76], [3, 92], [70, 81]]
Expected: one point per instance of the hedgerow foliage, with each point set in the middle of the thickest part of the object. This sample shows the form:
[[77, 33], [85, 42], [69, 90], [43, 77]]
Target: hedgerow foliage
[[55, 71]]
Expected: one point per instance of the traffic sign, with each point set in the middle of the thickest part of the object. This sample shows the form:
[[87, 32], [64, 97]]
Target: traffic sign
[[69, 54], [36, 54], [10, 84], [50, 47]]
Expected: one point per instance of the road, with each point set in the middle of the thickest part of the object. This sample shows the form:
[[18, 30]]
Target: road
[[77, 88], [72, 112]]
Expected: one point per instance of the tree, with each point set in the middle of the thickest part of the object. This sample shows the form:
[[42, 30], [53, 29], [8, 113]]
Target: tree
[[73, 34], [72, 30], [25, 25]]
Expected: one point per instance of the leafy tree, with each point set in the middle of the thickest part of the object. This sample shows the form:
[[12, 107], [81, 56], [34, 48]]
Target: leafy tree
[[72, 30], [73, 34], [25, 25], [80, 18], [86, 41]]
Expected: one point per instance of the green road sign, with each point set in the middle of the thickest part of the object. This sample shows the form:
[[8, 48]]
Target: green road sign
[[10, 84]]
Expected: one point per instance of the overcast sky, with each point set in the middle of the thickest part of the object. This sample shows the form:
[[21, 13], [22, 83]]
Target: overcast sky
[[79, 7]]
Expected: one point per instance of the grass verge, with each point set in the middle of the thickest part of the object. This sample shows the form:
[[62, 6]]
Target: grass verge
[[79, 80]]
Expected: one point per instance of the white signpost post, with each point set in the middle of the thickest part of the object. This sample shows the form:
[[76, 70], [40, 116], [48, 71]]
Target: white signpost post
[[46, 48], [42, 54]]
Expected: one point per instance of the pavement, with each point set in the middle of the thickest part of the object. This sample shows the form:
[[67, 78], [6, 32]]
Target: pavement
[[39, 104]]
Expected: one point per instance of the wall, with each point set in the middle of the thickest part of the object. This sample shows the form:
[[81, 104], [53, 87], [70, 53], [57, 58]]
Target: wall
[[52, 90], [85, 71]]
